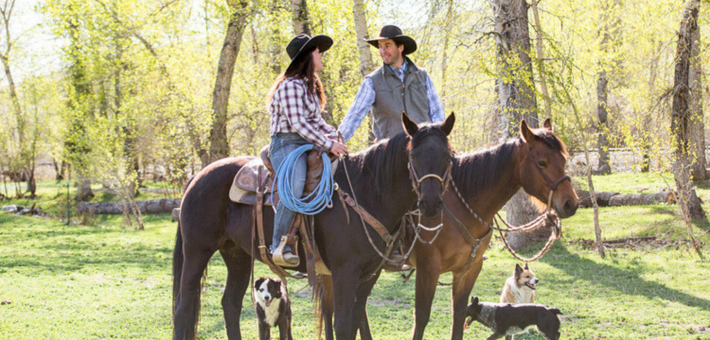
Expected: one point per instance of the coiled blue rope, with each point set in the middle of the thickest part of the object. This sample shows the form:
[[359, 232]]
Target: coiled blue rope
[[316, 201]]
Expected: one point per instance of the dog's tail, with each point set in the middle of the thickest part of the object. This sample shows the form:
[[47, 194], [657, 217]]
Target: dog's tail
[[555, 311]]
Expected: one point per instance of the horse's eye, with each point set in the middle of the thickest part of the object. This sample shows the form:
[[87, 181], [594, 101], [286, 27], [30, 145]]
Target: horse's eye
[[542, 164]]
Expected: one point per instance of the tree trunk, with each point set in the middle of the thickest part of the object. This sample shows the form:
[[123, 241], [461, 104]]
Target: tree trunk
[[696, 115], [516, 93], [540, 57], [219, 143], [602, 141], [366, 63], [300, 17], [360, 15], [76, 143], [680, 117]]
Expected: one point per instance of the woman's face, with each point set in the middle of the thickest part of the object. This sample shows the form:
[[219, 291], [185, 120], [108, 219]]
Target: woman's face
[[317, 60]]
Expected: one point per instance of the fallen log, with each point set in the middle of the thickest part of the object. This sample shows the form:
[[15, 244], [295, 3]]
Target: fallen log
[[161, 206], [585, 199], [642, 199]]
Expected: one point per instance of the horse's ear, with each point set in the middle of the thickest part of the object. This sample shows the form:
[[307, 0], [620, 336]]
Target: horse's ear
[[409, 126], [448, 125], [548, 125], [525, 133]]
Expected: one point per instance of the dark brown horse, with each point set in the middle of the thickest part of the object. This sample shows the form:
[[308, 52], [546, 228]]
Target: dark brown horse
[[380, 176], [486, 180]]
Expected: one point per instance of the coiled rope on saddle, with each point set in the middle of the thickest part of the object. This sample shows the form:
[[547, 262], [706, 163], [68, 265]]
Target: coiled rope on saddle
[[315, 202]]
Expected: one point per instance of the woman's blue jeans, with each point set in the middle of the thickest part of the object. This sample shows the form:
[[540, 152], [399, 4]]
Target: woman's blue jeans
[[282, 144]]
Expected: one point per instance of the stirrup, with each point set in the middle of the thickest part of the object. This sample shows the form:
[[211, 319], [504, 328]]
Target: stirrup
[[278, 255]]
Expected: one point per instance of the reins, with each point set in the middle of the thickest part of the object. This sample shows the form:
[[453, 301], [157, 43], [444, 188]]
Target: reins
[[542, 220], [416, 184]]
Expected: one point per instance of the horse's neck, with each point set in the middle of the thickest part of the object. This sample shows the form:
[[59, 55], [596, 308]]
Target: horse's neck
[[390, 205], [501, 186]]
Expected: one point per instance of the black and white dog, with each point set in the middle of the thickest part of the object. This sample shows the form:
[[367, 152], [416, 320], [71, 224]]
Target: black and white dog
[[510, 319], [273, 308]]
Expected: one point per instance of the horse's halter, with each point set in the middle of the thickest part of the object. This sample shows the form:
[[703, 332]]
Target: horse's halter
[[417, 181], [552, 185]]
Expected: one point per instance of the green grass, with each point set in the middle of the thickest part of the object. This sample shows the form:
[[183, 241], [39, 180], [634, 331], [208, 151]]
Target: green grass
[[109, 282]]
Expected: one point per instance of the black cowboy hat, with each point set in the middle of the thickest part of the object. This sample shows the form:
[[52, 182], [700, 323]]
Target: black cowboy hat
[[303, 43], [393, 32]]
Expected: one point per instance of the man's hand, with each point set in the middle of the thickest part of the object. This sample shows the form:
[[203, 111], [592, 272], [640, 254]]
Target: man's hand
[[339, 149]]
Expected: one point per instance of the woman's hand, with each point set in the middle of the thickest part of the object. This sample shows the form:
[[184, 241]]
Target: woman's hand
[[339, 149]]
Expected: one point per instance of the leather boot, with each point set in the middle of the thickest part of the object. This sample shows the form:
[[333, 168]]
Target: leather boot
[[284, 259]]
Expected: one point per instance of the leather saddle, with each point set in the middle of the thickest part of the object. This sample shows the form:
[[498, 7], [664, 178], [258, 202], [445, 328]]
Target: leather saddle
[[258, 174]]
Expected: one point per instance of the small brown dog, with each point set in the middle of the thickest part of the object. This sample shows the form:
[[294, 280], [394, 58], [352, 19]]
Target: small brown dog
[[520, 288]]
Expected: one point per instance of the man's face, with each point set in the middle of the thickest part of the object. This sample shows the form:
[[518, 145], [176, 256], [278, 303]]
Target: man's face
[[391, 53]]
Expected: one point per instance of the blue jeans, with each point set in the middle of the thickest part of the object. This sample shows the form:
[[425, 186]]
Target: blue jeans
[[282, 144]]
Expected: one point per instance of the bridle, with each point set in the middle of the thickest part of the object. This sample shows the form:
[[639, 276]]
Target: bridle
[[417, 181], [551, 184]]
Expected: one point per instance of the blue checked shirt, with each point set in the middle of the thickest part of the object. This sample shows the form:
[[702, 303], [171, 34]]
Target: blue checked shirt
[[366, 97]]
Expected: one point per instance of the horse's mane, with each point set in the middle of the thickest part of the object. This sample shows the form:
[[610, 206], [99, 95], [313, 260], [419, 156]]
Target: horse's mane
[[476, 171], [379, 161], [481, 169]]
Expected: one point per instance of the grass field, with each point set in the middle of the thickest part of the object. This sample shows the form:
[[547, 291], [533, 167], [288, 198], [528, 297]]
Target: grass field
[[107, 282]]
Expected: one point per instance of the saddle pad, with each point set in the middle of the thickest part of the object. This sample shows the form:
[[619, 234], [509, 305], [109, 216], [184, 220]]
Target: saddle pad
[[247, 177]]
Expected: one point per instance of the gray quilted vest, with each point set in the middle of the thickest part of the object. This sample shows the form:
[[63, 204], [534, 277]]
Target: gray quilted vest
[[392, 97]]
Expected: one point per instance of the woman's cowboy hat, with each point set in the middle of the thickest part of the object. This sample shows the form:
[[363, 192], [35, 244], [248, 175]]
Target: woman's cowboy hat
[[304, 43], [393, 32]]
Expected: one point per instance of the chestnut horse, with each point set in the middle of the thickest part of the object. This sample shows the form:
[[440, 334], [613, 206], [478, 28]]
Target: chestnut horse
[[486, 180], [381, 183]]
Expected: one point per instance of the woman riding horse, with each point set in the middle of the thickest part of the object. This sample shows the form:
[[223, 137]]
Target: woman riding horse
[[378, 179]]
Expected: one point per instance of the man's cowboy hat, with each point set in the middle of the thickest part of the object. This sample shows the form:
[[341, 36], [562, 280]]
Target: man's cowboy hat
[[304, 43], [393, 32]]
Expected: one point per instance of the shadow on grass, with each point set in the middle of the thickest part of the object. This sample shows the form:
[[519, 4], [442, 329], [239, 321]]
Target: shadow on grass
[[610, 277]]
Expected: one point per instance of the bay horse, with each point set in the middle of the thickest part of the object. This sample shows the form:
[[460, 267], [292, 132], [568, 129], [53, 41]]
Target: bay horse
[[486, 180], [381, 184]]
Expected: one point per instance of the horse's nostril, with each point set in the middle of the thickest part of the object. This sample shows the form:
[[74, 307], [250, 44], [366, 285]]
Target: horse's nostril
[[568, 206]]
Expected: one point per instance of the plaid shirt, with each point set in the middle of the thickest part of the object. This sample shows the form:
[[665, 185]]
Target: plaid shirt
[[293, 109], [366, 97]]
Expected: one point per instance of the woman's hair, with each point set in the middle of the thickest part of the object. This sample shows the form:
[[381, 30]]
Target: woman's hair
[[301, 68]]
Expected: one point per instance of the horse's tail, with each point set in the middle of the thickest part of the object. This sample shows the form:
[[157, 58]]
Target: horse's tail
[[318, 293], [177, 266], [178, 260]]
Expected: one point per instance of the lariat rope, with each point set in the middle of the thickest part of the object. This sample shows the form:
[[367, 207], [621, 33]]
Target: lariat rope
[[315, 202]]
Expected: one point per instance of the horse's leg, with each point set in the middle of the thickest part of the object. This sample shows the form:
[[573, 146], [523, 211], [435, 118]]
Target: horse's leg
[[459, 297], [426, 281], [187, 308], [327, 312], [238, 272], [345, 285], [326, 305], [363, 291], [365, 333]]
